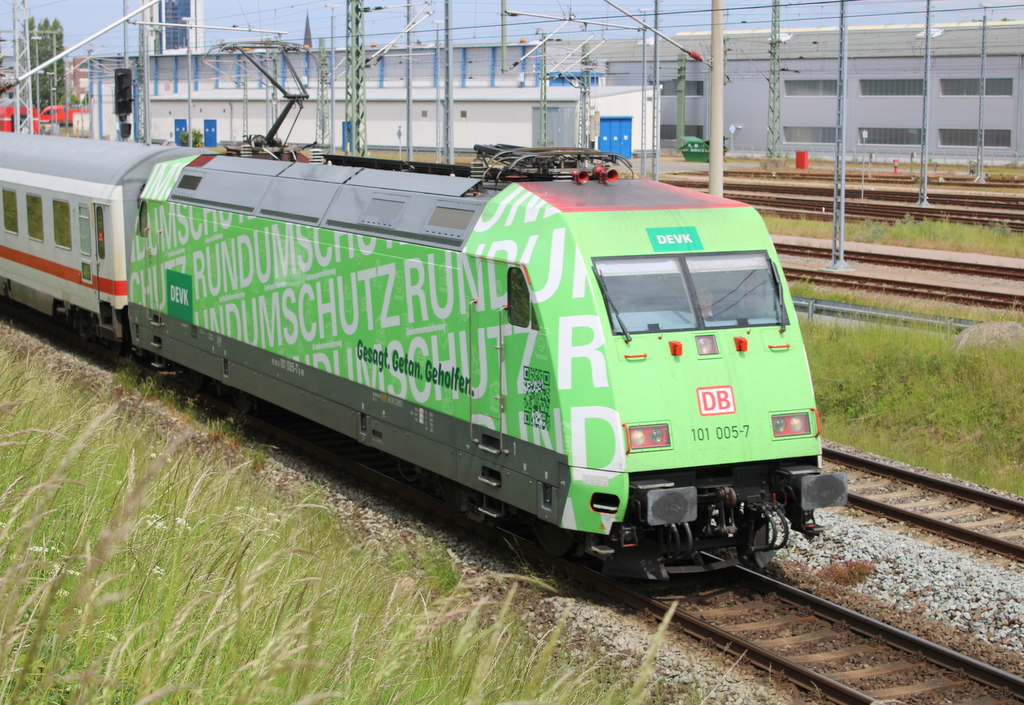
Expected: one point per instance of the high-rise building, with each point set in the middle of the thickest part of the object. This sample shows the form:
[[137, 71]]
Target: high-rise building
[[177, 39]]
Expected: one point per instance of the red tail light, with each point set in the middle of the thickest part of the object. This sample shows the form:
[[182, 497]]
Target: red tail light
[[651, 436], [791, 425]]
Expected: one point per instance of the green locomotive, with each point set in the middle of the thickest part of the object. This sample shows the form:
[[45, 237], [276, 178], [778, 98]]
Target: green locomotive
[[616, 361]]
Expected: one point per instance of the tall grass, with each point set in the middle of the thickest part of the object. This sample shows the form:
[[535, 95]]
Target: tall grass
[[993, 239], [137, 568], [909, 395]]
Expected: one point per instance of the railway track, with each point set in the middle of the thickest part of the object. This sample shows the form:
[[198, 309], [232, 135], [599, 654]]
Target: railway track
[[815, 202], [962, 267], [956, 512], [820, 647], [905, 286]]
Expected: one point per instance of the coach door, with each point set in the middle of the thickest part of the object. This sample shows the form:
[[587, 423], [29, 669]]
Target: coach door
[[85, 238]]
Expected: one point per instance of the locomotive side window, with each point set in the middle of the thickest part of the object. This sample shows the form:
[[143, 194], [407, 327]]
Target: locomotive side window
[[34, 206], [735, 289], [101, 244], [144, 220], [62, 224], [84, 230], [451, 218], [646, 294], [11, 212], [519, 308]]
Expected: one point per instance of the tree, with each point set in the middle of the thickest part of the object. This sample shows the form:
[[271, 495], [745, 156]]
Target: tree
[[197, 138], [46, 40]]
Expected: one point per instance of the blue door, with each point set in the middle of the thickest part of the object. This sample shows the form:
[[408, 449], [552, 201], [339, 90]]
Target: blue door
[[616, 136], [180, 128], [209, 133]]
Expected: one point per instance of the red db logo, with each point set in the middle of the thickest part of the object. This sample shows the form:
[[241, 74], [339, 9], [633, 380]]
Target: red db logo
[[716, 400]]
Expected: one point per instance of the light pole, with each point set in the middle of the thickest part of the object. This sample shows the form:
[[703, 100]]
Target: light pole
[[330, 148], [437, 89], [643, 94], [980, 178], [35, 62]]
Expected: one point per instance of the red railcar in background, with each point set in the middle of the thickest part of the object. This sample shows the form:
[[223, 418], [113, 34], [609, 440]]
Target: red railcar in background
[[7, 121]]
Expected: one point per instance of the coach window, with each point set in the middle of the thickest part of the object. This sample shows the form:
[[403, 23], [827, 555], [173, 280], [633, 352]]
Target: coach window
[[35, 216], [62, 224], [519, 308], [11, 212], [84, 230], [101, 244]]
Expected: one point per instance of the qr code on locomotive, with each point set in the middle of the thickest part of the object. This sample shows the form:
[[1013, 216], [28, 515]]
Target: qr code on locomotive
[[538, 397]]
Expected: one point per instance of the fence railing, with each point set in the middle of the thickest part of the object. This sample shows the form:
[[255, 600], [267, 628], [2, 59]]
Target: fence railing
[[836, 309]]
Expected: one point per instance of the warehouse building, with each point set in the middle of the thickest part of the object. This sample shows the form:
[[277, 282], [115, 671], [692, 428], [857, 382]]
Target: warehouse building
[[885, 86]]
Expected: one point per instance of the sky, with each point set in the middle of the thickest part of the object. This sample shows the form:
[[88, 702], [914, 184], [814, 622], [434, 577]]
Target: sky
[[479, 20]]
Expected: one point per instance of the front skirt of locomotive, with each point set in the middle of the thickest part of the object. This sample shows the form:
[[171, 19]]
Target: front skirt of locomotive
[[670, 525]]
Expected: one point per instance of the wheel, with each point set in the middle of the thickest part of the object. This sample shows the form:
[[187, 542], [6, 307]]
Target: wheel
[[195, 381], [554, 539], [244, 401]]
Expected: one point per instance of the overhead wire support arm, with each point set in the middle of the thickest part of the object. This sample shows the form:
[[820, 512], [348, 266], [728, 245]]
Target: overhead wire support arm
[[539, 44], [379, 54], [692, 54]]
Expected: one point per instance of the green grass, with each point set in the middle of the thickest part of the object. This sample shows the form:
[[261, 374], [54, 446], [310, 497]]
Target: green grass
[[995, 239], [144, 565], [909, 395]]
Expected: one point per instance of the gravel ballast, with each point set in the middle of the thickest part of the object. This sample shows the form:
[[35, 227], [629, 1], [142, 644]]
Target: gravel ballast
[[966, 590]]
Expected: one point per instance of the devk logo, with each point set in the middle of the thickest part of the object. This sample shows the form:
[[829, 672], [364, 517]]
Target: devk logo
[[716, 400]]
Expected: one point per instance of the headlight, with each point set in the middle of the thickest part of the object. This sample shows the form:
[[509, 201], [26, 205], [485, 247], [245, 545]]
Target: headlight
[[651, 436], [791, 424], [706, 344]]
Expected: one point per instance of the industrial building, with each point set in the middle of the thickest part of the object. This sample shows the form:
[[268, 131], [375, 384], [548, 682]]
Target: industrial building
[[222, 95]]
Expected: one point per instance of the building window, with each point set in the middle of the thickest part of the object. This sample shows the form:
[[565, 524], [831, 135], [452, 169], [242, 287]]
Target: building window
[[462, 113], [813, 135], [34, 206], [423, 113], [969, 86], [62, 224], [891, 86], [890, 135], [669, 87], [969, 138], [11, 212], [694, 131], [799, 89]]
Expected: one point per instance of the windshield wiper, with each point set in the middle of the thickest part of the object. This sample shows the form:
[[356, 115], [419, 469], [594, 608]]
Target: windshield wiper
[[780, 299], [611, 305]]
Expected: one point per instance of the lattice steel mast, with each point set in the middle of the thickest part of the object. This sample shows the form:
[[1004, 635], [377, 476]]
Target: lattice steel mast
[[323, 89], [774, 96], [354, 138]]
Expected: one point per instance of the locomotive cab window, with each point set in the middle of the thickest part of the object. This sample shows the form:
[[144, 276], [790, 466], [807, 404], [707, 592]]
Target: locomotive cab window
[[11, 212], [143, 219], [691, 292], [520, 311], [736, 289], [34, 206], [645, 294]]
